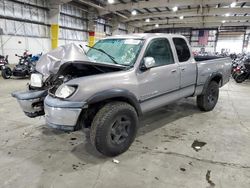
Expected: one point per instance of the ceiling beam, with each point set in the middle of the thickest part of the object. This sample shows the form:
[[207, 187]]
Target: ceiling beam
[[161, 3], [191, 12], [194, 20], [198, 25], [91, 4]]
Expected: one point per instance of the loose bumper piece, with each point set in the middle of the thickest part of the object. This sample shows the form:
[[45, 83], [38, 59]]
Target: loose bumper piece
[[31, 102]]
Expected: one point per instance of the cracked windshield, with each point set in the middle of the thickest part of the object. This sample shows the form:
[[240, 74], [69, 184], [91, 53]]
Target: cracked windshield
[[116, 51]]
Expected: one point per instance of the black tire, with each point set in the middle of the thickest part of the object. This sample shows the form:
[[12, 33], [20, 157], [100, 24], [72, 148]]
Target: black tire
[[240, 78], [6, 73], [114, 128], [234, 75], [207, 101]]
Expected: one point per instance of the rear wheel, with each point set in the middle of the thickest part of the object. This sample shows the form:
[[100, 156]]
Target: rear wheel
[[208, 100], [6, 73], [240, 78], [114, 128]]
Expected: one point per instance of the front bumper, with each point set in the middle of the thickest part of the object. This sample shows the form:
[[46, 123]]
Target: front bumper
[[31, 101], [62, 114]]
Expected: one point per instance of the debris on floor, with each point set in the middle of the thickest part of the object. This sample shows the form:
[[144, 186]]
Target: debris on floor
[[75, 166], [156, 178], [115, 161], [81, 163], [72, 138], [197, 145], [145, 147], [183, 169], [211, 184]]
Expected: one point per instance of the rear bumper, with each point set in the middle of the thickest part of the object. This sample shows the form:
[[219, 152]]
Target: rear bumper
[[62, 114]]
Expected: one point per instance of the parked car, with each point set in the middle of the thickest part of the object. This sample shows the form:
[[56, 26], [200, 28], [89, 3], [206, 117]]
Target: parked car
[[118, 80]]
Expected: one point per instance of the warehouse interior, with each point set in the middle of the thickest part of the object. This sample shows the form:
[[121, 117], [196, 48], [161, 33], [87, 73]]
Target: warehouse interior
[[176, 145]]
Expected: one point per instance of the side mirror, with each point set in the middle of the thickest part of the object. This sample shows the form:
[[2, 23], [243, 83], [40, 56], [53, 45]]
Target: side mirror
[[148, 63]]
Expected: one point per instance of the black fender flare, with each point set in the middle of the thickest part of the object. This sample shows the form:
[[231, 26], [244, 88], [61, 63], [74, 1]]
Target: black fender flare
[[116, 93], [210, 78]]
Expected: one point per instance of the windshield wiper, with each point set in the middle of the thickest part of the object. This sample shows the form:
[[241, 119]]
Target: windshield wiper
[[82, 49], [101, 50]]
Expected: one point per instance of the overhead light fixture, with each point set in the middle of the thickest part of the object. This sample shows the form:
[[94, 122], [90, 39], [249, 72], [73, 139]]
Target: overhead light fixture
[[227, 14], [134, 12], [111, 1], [181, 17], [156, 25], [175, 8], [147, 20], [233, 4], [223, 21]]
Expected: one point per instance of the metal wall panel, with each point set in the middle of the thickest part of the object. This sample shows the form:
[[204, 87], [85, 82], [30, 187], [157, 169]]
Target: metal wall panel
[[17, 15], [73, 22]]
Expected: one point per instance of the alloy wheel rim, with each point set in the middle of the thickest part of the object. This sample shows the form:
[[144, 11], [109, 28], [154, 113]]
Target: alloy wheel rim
[[212, 96], [120, 130]]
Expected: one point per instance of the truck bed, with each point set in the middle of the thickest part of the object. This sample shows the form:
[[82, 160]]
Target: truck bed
[[205, 58], [208, 65]]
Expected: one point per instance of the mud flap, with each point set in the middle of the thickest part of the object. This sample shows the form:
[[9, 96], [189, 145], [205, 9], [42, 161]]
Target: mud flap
[[31, 102]]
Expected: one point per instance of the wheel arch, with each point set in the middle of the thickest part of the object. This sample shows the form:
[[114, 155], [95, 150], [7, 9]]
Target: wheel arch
[[217, 77], [116, 95]]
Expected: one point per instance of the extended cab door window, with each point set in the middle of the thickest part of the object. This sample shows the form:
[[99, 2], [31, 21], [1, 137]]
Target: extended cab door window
[[187, 65], [160, 50], [182, 49]]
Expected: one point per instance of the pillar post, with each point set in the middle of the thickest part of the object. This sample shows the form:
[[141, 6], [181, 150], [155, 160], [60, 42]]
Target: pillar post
[[92, 16], [54, 17], [115, 26], [131, 29]]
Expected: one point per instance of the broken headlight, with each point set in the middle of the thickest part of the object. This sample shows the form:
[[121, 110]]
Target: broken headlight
[[65, 91], [36, 80]]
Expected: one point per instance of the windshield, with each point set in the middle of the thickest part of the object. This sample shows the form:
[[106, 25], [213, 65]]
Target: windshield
[[122, 51]]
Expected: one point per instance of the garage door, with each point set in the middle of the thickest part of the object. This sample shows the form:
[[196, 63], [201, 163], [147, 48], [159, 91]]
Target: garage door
[[230, 41]]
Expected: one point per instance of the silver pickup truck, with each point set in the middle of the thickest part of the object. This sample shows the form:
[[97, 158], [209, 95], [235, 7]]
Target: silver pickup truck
[[119, 79]]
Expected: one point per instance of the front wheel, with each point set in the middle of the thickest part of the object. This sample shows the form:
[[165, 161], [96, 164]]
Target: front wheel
[[114, 128], [6, 73], [208, 100]]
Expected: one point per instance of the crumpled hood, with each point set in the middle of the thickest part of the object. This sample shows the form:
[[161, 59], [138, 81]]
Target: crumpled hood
[[50, 62]]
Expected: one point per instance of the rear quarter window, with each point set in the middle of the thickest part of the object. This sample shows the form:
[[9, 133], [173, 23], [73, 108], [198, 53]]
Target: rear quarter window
[[182, 49]]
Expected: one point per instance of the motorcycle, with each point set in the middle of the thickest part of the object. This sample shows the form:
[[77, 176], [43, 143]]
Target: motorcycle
[[243, 72], [24, 68], [3, 62]]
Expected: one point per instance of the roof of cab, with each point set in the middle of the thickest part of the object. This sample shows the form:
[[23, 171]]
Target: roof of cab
[[143, 36]]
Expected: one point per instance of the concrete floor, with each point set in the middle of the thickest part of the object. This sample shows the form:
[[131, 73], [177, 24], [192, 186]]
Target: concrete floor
[[32, 155]]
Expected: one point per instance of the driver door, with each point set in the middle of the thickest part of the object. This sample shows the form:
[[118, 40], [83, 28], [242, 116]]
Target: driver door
[[160, 81]]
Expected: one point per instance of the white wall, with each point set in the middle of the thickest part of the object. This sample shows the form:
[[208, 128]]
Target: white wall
[[18, 44]]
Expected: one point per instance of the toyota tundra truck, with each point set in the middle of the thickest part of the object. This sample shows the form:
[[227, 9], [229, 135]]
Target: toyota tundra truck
[[109, 86]]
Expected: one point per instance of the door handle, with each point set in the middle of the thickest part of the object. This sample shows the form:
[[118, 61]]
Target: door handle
[[173, 71], [183, 68]]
